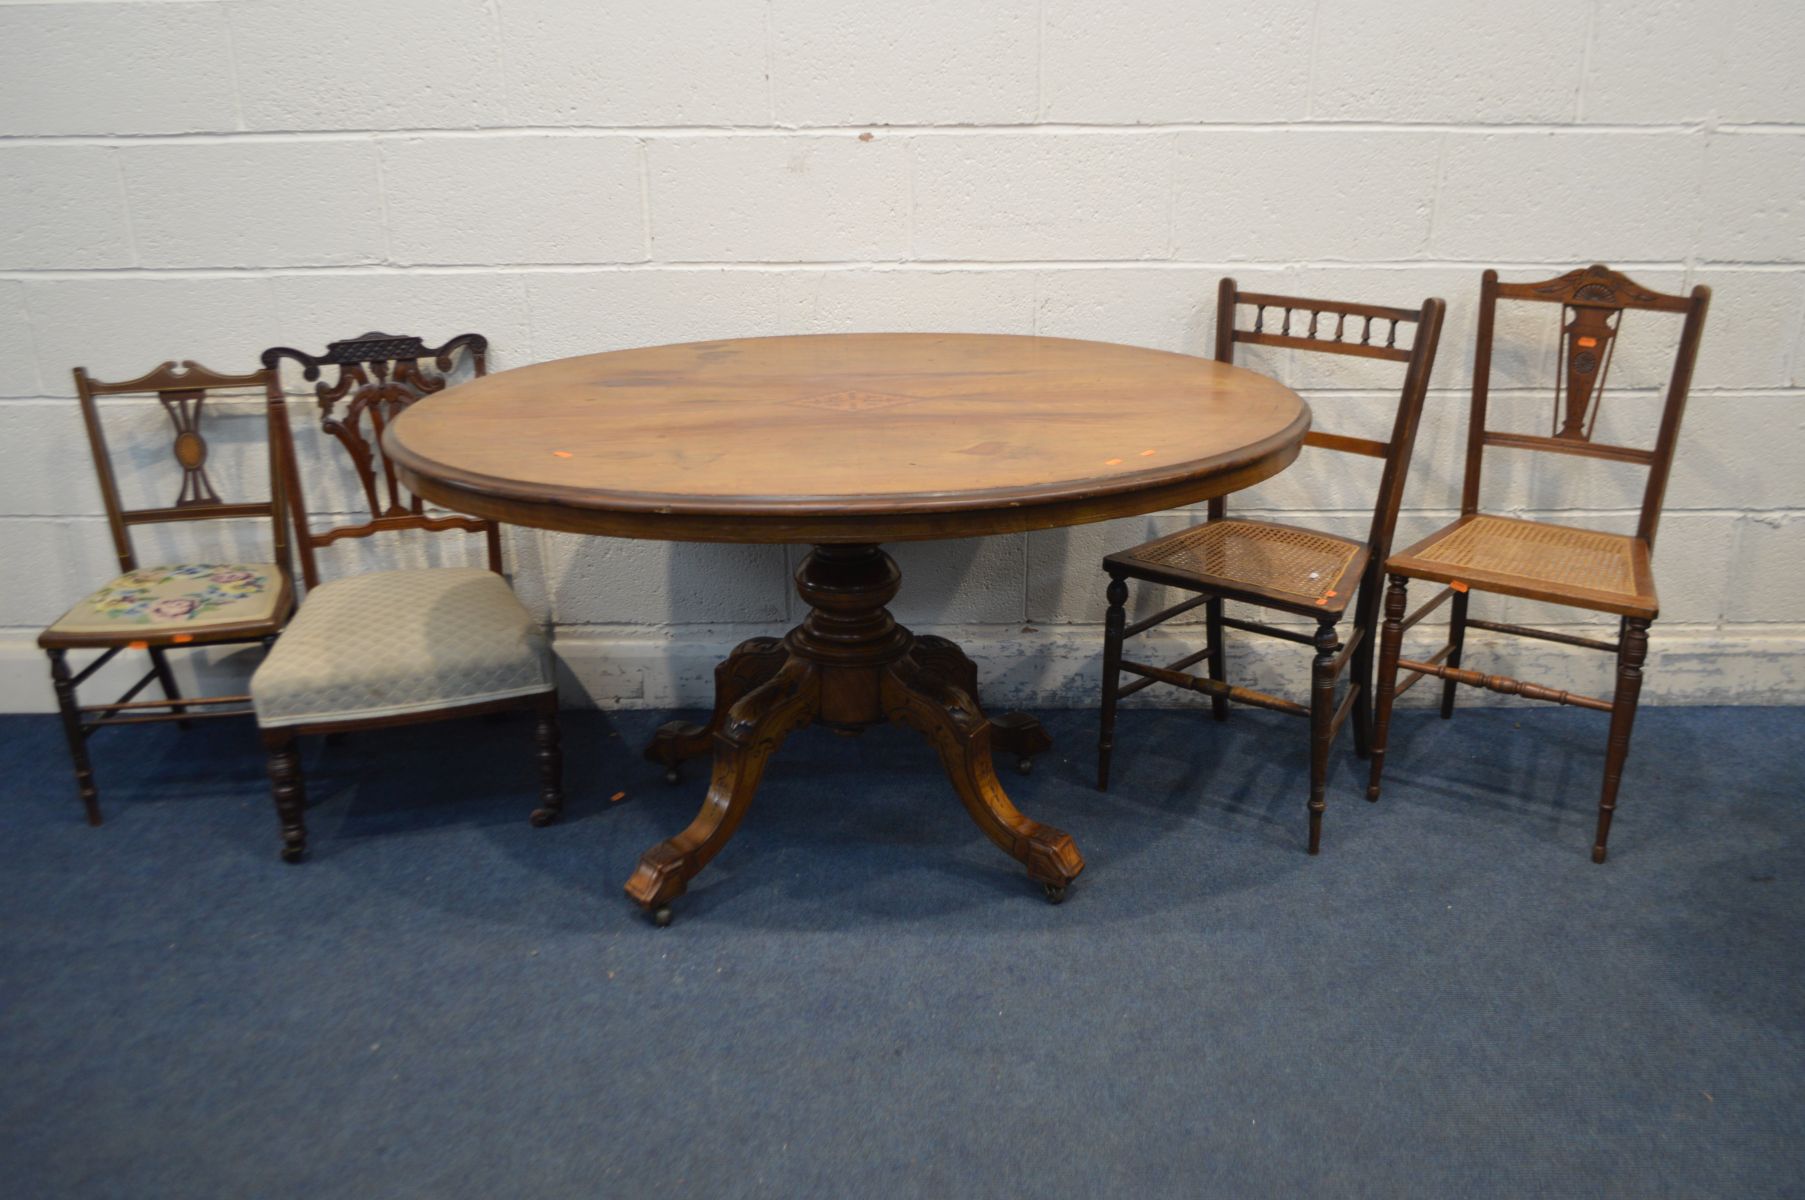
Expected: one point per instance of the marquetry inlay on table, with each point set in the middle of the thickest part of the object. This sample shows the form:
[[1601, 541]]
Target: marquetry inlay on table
[[846, 441]]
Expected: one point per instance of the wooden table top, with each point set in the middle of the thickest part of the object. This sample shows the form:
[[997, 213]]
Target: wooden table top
[[846, 437]]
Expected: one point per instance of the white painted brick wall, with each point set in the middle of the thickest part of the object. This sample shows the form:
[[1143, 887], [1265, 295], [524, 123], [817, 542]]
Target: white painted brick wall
[[205, 178]]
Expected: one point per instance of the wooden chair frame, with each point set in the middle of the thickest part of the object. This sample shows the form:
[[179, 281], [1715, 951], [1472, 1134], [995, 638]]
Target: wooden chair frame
[[1333, 657], [1593, 301], [379, 375], [182, 389]]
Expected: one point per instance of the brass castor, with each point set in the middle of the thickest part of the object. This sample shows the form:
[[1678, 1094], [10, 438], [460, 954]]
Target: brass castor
[[661, 916], [293, 854], [1024, 765], [1055, 892], [542, 817], [670, 774]]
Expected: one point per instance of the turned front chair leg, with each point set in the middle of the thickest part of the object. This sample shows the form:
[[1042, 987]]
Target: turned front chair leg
[[1632, 651], [550, 745], [1390, 642], [1113, 623], [288, 791], [1322, 716], [78, 742], [1457, 640], [1218, 656]]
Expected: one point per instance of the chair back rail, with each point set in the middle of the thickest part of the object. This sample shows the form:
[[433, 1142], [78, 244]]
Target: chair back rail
[[1593, 300], [182, 388], [1354, 330], [375, 377]]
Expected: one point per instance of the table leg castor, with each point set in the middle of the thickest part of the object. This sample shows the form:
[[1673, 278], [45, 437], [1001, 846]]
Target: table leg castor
[[661, 916], [1055, 892]]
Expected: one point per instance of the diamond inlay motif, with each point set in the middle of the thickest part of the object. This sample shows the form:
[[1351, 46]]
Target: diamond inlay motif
[[854, 401]]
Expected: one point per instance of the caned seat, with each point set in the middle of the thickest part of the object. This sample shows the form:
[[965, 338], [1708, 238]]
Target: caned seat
[[1281, 566], [395, 643], [176, 604], [1606, 572], [1582, 568], [1287, 568]]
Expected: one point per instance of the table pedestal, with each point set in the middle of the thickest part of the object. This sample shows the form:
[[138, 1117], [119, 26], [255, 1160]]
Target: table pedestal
[[847, 666]]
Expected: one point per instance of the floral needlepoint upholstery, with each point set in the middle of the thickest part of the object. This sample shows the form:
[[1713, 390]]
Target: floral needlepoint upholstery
[[156, 600], [391, 643]]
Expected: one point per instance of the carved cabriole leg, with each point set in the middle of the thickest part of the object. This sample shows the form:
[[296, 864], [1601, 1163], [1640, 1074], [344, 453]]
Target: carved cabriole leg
[[1322, 715], [1013, 733], [752, 662], [1113, 623], [549, 742], [754, 728], [1390, 642], [78, 743], [1632, 651], [914, 695], [159, 662], [287, 790], [1218, 656], [1457, 640]]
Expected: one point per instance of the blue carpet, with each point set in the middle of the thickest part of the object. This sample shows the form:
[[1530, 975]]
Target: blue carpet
[[861, 997]]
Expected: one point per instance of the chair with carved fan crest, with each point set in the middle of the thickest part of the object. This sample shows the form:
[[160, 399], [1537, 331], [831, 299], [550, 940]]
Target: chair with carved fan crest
[[164, 607], [392, 647], [1535, 560]]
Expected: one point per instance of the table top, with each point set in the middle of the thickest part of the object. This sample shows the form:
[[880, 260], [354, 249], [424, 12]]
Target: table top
[[846, 437]]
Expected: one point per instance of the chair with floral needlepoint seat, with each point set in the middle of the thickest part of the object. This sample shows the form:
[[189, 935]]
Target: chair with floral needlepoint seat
[[164, 606]]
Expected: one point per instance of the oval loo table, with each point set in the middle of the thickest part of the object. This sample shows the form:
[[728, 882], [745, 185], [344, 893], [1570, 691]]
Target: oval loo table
[[843, 442]]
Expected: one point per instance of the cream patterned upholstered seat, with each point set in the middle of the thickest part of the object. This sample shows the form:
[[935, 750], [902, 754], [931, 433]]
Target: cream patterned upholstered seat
[[392, 643], [177, 599]]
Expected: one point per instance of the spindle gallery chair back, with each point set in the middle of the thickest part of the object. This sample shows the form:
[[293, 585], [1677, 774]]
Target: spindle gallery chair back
[[1301, 572], [1581, 568], [392, 647], [159, 607]]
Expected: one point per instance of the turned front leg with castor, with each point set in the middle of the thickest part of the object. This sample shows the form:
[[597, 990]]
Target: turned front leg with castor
[[1632, 651], [1391, 641], [288, 791]]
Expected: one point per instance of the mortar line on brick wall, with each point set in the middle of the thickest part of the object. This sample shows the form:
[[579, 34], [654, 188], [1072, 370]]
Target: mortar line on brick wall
[[1310, 67], [1435, 195], [232, 73], [930, 265], [1040, 62], [645, 199], [1585, 62], [125, 206], [492, 8], [382, 199], [1097, 129], [770, 49]]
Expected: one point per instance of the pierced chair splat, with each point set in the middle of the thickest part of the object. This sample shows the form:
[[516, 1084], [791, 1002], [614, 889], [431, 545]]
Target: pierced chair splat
[[1295, 571], [167, 606], [1536, 560], [393, 647]]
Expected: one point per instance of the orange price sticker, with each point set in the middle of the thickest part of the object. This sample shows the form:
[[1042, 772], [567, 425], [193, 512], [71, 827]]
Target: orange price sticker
[[1586, 343], [560, 454], [617, 797], [1457, 585], [1112, 462], [137, 645], [1148, 453], [181, 638]]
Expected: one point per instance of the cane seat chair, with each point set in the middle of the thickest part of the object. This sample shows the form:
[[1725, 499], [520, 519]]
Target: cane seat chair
[[1291, 570], [1535, 560], [166, 606], [392, 647]]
